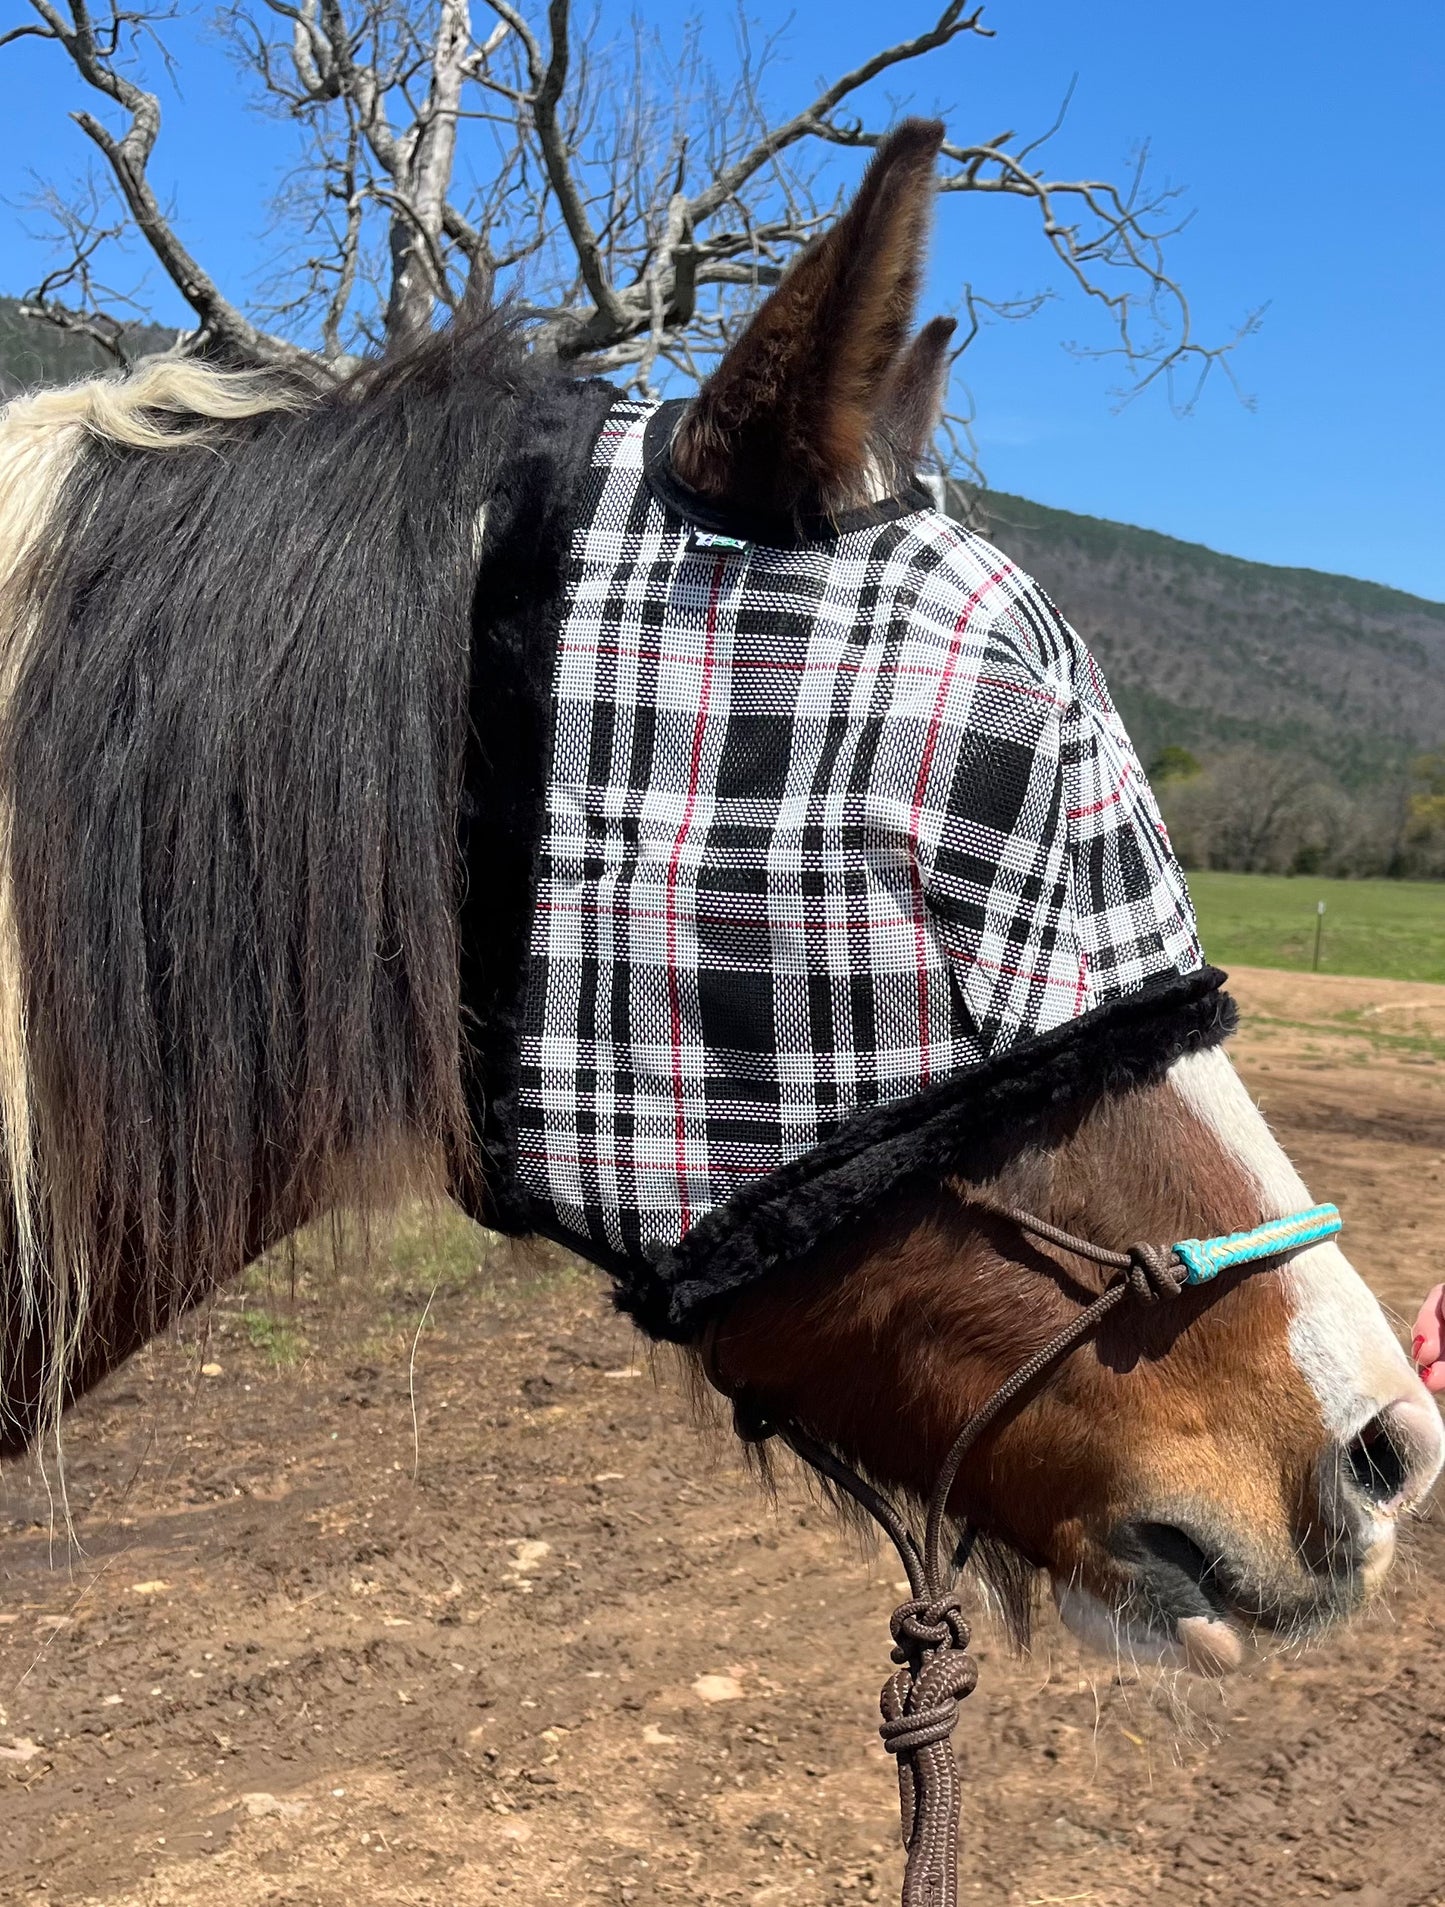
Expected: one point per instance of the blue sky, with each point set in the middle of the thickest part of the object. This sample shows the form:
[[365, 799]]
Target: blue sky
[[1311, 143]]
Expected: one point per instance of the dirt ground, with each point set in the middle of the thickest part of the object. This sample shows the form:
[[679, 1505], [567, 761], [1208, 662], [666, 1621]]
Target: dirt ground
[[540, 1642]]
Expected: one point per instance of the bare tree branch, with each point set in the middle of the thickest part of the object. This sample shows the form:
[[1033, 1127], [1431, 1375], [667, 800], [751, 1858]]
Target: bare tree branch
[[128, 156], [27, 32], [549, 80], [632, 201], [1107, 228], [813, 119], [418, 273], [67, 298]]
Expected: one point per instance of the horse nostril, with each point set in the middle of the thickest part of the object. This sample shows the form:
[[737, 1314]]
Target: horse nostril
[[1392, 1460], [1377, 1465]]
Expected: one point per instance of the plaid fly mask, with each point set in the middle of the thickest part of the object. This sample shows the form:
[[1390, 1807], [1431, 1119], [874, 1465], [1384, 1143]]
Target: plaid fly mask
[[828, 831]]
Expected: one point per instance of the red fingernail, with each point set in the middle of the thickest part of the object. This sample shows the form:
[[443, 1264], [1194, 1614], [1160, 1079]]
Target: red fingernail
[[1415, 1347]]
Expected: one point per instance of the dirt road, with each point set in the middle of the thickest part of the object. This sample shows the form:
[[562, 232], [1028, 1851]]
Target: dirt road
[[539, 1642]]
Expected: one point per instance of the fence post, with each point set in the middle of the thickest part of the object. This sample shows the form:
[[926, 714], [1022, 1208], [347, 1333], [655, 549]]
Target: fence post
[[1319, 933]]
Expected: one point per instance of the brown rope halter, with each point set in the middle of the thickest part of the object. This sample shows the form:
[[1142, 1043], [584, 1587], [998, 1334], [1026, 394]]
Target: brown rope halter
[[934, 1672]]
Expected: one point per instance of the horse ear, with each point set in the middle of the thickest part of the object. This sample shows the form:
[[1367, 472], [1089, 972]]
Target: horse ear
[[787, 421], [914, 405]]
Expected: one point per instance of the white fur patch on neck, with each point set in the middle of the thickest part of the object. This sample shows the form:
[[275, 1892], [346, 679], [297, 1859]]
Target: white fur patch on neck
[[1338, 1334]]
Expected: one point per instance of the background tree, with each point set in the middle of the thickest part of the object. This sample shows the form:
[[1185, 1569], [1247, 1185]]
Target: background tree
[[631, 197], [1256, 811], [1424, 848], [1174, 763]]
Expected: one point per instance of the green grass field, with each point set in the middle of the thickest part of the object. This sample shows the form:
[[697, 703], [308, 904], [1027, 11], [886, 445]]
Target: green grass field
[[1389, 930]]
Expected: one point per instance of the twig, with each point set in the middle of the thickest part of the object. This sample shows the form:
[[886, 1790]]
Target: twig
[[411, 1384]]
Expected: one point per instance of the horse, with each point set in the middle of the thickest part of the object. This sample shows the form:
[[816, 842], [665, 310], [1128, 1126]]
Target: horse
[[286, 837]]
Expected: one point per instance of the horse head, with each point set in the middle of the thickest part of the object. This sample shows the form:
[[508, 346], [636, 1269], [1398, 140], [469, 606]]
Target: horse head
[[1234, 1461]]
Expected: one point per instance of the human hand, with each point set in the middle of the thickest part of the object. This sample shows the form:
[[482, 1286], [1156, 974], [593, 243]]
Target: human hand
[[1430, 1340]]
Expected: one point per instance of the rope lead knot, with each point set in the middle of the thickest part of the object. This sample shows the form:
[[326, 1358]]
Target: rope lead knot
[[919, 1705]]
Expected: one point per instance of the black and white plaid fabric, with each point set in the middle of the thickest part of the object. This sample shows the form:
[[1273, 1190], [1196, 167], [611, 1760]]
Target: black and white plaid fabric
[[823, 826]]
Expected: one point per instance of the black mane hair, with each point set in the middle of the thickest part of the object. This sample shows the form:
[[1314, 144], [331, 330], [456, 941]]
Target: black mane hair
[[232, 756]]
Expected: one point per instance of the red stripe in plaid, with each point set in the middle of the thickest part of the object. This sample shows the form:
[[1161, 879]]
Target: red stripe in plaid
[[796, 666], [861, 915], [653, 1168], [1081, 988], [1104, 801], [1012, 972]]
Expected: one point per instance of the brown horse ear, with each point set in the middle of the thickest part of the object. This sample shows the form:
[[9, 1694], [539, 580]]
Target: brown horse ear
[[914, 404], [787, 422]]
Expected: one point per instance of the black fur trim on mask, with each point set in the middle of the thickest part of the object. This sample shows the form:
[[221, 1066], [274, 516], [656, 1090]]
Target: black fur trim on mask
[[517, 609], [962, 1124], [730, 518]]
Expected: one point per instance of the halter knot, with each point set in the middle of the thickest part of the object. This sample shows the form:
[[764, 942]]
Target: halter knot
[[1155, 1272], [921, 1625]]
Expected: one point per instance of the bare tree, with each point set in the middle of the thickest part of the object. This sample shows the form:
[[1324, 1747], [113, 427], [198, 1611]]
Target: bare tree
[[632, 200], [1256, 811]]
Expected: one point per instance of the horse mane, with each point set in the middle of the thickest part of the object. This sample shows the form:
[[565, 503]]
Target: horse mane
[[235, 630]]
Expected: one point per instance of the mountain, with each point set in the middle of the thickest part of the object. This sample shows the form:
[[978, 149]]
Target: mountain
[[32, 353], [1210, 651], [1202, 650]]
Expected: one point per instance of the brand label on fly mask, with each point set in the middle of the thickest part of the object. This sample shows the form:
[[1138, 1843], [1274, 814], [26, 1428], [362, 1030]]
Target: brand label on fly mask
[[711, 540]]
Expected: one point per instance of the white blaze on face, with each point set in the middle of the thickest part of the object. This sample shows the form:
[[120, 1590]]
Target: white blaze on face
[[1338, 1333]]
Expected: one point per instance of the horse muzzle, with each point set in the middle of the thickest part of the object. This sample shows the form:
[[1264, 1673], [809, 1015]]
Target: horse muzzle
[[1192, 1585]]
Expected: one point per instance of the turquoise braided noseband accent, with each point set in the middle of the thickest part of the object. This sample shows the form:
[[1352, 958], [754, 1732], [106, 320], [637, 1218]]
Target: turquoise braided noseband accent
[[1207, 1257]]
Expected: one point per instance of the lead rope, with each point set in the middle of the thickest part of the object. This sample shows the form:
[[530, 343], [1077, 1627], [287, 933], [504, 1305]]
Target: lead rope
[[934, 1672]]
